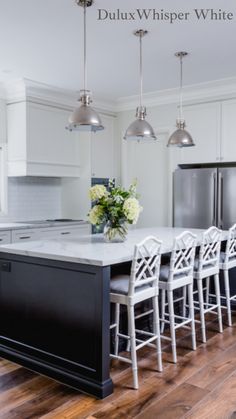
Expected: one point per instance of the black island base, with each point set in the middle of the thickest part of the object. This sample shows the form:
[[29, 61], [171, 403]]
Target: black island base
[[55, 320]]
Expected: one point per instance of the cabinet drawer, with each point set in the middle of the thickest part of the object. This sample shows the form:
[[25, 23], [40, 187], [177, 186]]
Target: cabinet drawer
[[24, 235], [5, 237], [64, 232]]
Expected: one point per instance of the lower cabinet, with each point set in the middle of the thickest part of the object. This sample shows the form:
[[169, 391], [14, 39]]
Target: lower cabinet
[[29, 234]]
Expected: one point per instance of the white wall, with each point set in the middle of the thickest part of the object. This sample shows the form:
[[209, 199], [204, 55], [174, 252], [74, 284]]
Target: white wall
[[151, 163], [33, 198]]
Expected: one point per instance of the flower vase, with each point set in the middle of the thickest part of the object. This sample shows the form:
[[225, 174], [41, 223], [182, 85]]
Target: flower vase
[[115, 233]]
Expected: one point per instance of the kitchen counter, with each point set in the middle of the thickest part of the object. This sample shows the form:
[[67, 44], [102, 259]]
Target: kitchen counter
[[39, 224], [92, 250], [55, 305]]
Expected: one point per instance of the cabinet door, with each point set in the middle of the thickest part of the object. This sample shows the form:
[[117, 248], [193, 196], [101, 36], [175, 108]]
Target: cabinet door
[[49, 143], [5, 237], [228, 145], [204, 124], [102, 150]]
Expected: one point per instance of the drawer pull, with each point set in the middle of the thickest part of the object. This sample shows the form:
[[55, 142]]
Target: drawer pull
[[63, 233], [25, 237]]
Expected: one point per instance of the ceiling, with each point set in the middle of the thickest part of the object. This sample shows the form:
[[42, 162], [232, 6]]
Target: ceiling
[[42, 40]]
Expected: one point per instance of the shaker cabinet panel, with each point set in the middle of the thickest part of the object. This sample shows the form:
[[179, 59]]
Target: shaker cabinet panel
[[204, 124], [228, 144]]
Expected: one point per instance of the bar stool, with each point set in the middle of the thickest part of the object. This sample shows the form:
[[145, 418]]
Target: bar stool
[[227, 262], [178, 275], [207, 266], [129, 290]]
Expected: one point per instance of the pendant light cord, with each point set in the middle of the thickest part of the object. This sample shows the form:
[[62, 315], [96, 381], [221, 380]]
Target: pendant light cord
[[141, 70], [85, 48], [181, 88]]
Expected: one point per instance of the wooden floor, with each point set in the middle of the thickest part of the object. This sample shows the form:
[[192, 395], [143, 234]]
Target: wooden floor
[[201, 385]]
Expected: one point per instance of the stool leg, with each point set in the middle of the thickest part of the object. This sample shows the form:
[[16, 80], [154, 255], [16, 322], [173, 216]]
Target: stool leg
[[131, 321], [117, 328], [172, 324], [218, 301], [184, 301], [163, 300], [227, 294], [156, 326], [201, 307], [191, 315], [207, 290]]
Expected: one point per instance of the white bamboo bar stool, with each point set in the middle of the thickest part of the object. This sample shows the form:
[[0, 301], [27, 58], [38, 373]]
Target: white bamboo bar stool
[[128, 290], [178, 275], [207, 266], [227, 262]]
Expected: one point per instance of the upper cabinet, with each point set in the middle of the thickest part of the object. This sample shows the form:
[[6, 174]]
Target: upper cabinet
[[38, 143], [228, 144], [103, 150], [204, 124]]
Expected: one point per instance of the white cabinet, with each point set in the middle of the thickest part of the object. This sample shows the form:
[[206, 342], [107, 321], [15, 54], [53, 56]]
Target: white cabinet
[[228, 143], [59, 232], [5, 237], [3, 125], [38, 143], [25, 235], [103, 150], [204, 124]]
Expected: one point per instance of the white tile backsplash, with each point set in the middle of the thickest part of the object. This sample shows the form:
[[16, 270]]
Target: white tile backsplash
[[34, 198]]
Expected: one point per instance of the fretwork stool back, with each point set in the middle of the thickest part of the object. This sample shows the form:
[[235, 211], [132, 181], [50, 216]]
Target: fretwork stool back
[[178, 275], [227, 262], [207, 266], [142, 284]]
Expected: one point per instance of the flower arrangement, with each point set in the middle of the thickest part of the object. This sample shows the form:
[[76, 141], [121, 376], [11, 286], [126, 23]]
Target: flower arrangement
[[116, 207]]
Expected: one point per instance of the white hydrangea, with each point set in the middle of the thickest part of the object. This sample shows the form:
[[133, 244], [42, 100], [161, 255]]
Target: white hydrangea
[[132, 209], [97, 192], [95, 215]]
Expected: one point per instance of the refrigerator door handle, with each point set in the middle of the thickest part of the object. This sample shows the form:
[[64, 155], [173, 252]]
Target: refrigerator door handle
[[220, 201], [214, 222]]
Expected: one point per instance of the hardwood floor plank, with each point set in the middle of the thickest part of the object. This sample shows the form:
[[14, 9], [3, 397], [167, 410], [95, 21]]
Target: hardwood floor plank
[[7, 366], [24, 392], [175, 404], [216, 371], [219, 404], [14, 378], [42, 404]]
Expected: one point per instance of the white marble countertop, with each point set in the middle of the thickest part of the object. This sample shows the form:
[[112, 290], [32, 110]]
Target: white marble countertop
[[42, 224], [92, 250]]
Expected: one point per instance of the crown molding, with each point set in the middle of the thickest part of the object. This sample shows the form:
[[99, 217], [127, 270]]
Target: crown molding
[[198, 93], [25, 89]]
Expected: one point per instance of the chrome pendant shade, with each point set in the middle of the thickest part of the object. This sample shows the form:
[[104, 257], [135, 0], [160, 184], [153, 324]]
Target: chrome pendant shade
[[181, 137], [85, 118], [140, 129]]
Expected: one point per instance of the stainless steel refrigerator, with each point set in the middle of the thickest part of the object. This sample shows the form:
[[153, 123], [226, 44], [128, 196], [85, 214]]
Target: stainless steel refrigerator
[[205, 197]]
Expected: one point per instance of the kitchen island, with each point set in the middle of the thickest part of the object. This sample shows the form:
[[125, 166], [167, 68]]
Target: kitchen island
[[54, 305]]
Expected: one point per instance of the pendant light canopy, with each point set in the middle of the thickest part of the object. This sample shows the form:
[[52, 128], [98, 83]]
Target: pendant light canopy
[[181, 137], [140, 129], [85, 118]]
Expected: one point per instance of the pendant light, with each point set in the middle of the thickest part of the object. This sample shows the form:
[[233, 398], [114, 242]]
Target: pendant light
[[181, 137], [85, 118], [140, 129]]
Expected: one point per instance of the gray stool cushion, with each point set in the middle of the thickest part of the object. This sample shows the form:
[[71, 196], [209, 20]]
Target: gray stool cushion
[[120, 285], [164, 273]]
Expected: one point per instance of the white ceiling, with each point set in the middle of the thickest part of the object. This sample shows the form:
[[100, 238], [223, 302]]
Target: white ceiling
[[42, 40]]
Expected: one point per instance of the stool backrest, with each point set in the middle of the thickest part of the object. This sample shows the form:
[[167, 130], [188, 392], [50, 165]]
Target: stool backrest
[[182, 256], [209, 253], [145, 267], [230, 251]]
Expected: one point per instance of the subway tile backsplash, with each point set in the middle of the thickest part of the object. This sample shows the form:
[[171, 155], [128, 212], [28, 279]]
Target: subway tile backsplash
[[34, 198]]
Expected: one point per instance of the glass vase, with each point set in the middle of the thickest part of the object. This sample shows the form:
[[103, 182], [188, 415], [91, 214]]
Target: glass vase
[[115, 233]]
